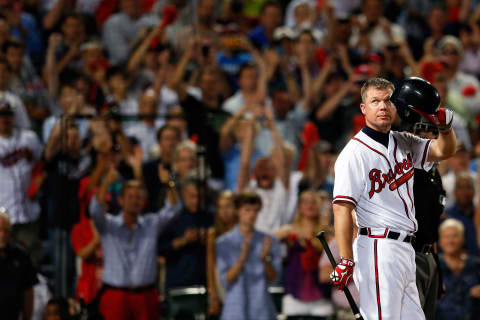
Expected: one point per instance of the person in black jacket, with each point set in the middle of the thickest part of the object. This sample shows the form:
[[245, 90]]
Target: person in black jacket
[[429, 199]]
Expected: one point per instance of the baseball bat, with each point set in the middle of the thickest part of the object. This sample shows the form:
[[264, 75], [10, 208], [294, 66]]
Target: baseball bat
[[353, 305]]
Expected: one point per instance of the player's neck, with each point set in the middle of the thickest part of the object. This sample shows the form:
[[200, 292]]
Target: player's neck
[[380, 137]]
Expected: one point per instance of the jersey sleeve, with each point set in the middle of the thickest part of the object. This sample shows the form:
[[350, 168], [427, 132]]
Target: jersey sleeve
[[348, 184], [420, 148]]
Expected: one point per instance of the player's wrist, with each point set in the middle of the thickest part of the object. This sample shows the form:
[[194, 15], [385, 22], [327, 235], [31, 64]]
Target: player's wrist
[[347, 262]]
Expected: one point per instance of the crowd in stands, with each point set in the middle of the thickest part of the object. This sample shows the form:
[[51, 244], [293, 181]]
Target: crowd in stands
[[173, 159]]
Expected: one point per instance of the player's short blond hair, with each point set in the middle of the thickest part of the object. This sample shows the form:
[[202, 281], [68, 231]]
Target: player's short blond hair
[[457, 224], [377, 83]]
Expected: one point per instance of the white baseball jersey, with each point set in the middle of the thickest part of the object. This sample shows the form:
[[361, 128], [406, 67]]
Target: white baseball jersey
[[18, 155], [378, 181]]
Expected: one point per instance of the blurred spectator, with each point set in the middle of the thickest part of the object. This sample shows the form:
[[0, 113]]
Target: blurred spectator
[[117, 81], [73, 34], [271, 179], [463, 210], [270, 18], [317, 176], [129, 247], [204, 116], [372, 31], [145, 130], [301, 14], [122, 29], [71, 104], [16, 285], [20, 152], [225, 220], [21, 117], [304, 295], [64, 168], [232, 137], [57, 309], [451, 52], [183, 241], [248, 260], [460, 162], [168, 138], [460, 275], [23, 26], [470, 38]]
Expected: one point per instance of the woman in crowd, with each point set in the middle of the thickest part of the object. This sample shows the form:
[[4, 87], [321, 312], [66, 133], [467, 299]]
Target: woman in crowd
[[224, 222], [304, 295], [461, 275]]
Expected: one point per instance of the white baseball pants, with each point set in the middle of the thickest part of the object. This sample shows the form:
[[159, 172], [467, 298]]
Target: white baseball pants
[[384, 274]]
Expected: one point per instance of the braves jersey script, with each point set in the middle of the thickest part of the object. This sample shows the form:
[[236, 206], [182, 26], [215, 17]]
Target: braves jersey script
[[18, 155], [379, 181]]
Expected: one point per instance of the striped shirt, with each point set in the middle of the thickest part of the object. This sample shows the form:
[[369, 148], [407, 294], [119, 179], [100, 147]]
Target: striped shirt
[[130, 255]]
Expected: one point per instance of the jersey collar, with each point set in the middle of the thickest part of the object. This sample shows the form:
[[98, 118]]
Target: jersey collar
[[378, 136]]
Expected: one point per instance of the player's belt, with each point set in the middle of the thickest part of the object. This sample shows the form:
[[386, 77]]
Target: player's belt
[[388, 234]]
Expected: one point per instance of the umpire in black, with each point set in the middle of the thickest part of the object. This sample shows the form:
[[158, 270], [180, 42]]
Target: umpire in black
[[416, 98], [429, 199]]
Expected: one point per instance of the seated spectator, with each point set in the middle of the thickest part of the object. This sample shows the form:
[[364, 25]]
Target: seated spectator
[[130, 268], [225, 220], [16, 285], [271, 179], [471, 57], [20, 152], [463, 210], [460, 275], [121, 29], [304, 295], [248, 261]]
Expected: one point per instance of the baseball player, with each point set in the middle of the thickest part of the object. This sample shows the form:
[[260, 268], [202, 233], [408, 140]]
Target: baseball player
[[373, 175]]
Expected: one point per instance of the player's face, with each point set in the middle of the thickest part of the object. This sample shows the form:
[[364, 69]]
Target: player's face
[[378, 110], [247, 215], [451, 240], [132, 200]]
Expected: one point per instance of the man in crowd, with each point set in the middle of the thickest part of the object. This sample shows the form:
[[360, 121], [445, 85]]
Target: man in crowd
[[129, 247]]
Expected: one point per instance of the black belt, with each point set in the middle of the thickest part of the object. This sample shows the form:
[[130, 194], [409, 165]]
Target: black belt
[[388, 234], [138, 289]]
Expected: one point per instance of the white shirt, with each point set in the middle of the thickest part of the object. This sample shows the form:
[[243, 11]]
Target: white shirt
[[379, 39], [378, 181], [461, 81], [274, 210], [18, 155], [147, 136]]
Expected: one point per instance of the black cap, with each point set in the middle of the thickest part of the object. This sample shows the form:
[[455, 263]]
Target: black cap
[[415, 94]]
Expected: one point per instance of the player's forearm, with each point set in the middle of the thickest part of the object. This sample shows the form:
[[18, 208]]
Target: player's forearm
[[343, 231], [443, 147]]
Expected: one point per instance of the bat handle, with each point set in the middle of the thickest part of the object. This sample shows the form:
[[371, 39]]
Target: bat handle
[[353, 305]]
